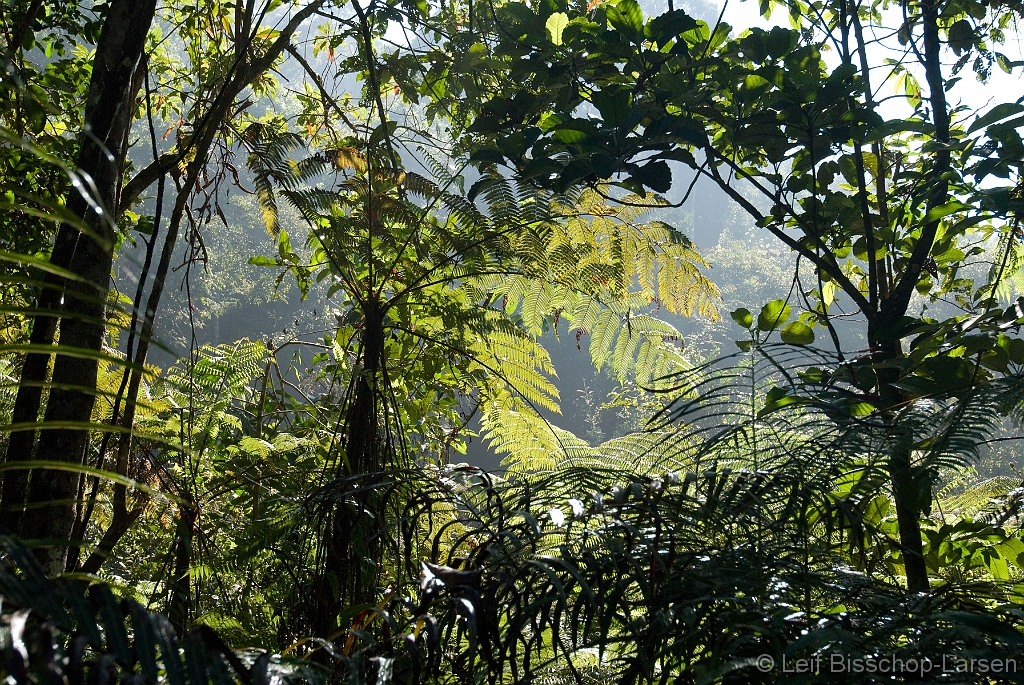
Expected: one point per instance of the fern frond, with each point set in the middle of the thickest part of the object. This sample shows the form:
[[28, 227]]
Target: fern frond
[[532, 445], [502, 204], [420, 185], [524, 365]]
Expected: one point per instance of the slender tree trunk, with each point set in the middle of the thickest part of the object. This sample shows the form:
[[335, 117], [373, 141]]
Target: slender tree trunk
[[120, 523], [907, 486], [350, 534], [911, 488], [179, 605], [123, 518], [363, 448], [110, 109], [26, 407]]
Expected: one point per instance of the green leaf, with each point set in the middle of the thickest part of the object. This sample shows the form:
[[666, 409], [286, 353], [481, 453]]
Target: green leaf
[[383, 130], [961, 36], [944, 210], [627, 17], [1016, 350], [570, 136], [777, 399], [743, 317], [261, 260], [668, 26], [615, 105], [828, 293], [773, 315], [797, 333], [555, 25], [997, 113], [487, 155], [1011, 549], [780, 41], [997, 567]]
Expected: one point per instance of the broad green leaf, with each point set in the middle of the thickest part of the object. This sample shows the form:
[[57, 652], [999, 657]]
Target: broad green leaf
[[555, 25], [669, 25], [570, 136], [655, 175], [615, 105], [1012, 549], [487, 155], [777, 399], [698, 34], [743, 317], [997, 566], [961, 36], [780, 41], [944, 210], [907, 85], [828, 293], [997, 113], [797, 333], [261, 260], [627, 17], [773, 315]]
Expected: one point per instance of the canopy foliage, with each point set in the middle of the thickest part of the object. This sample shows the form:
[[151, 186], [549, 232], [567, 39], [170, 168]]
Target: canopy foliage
[[443, 197]]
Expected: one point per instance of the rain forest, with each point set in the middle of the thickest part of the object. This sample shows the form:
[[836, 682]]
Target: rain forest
[[401, 342]]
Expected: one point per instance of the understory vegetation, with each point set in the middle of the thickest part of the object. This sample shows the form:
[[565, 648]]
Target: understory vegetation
[[517, 342]]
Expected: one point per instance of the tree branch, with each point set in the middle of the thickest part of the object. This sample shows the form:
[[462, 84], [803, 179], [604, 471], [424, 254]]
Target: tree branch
[[146, 177]]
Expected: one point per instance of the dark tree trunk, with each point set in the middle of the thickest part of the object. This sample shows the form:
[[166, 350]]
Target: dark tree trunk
[[26, 408], [179, 606], [123, 518], [911, 487], [363, 446], [908, 485], [109, 111], [351, 530]]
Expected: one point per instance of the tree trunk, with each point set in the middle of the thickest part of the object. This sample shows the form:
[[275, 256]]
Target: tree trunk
[[179, 605], [907, 487], [350, 532], [252, 62], [108, 114], [110, 108], [910, 487], [26, 408]]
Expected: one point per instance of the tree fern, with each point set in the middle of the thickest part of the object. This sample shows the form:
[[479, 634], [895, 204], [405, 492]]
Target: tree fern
[[989, 498], [470, 290], [529, 443], [592, 265]]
